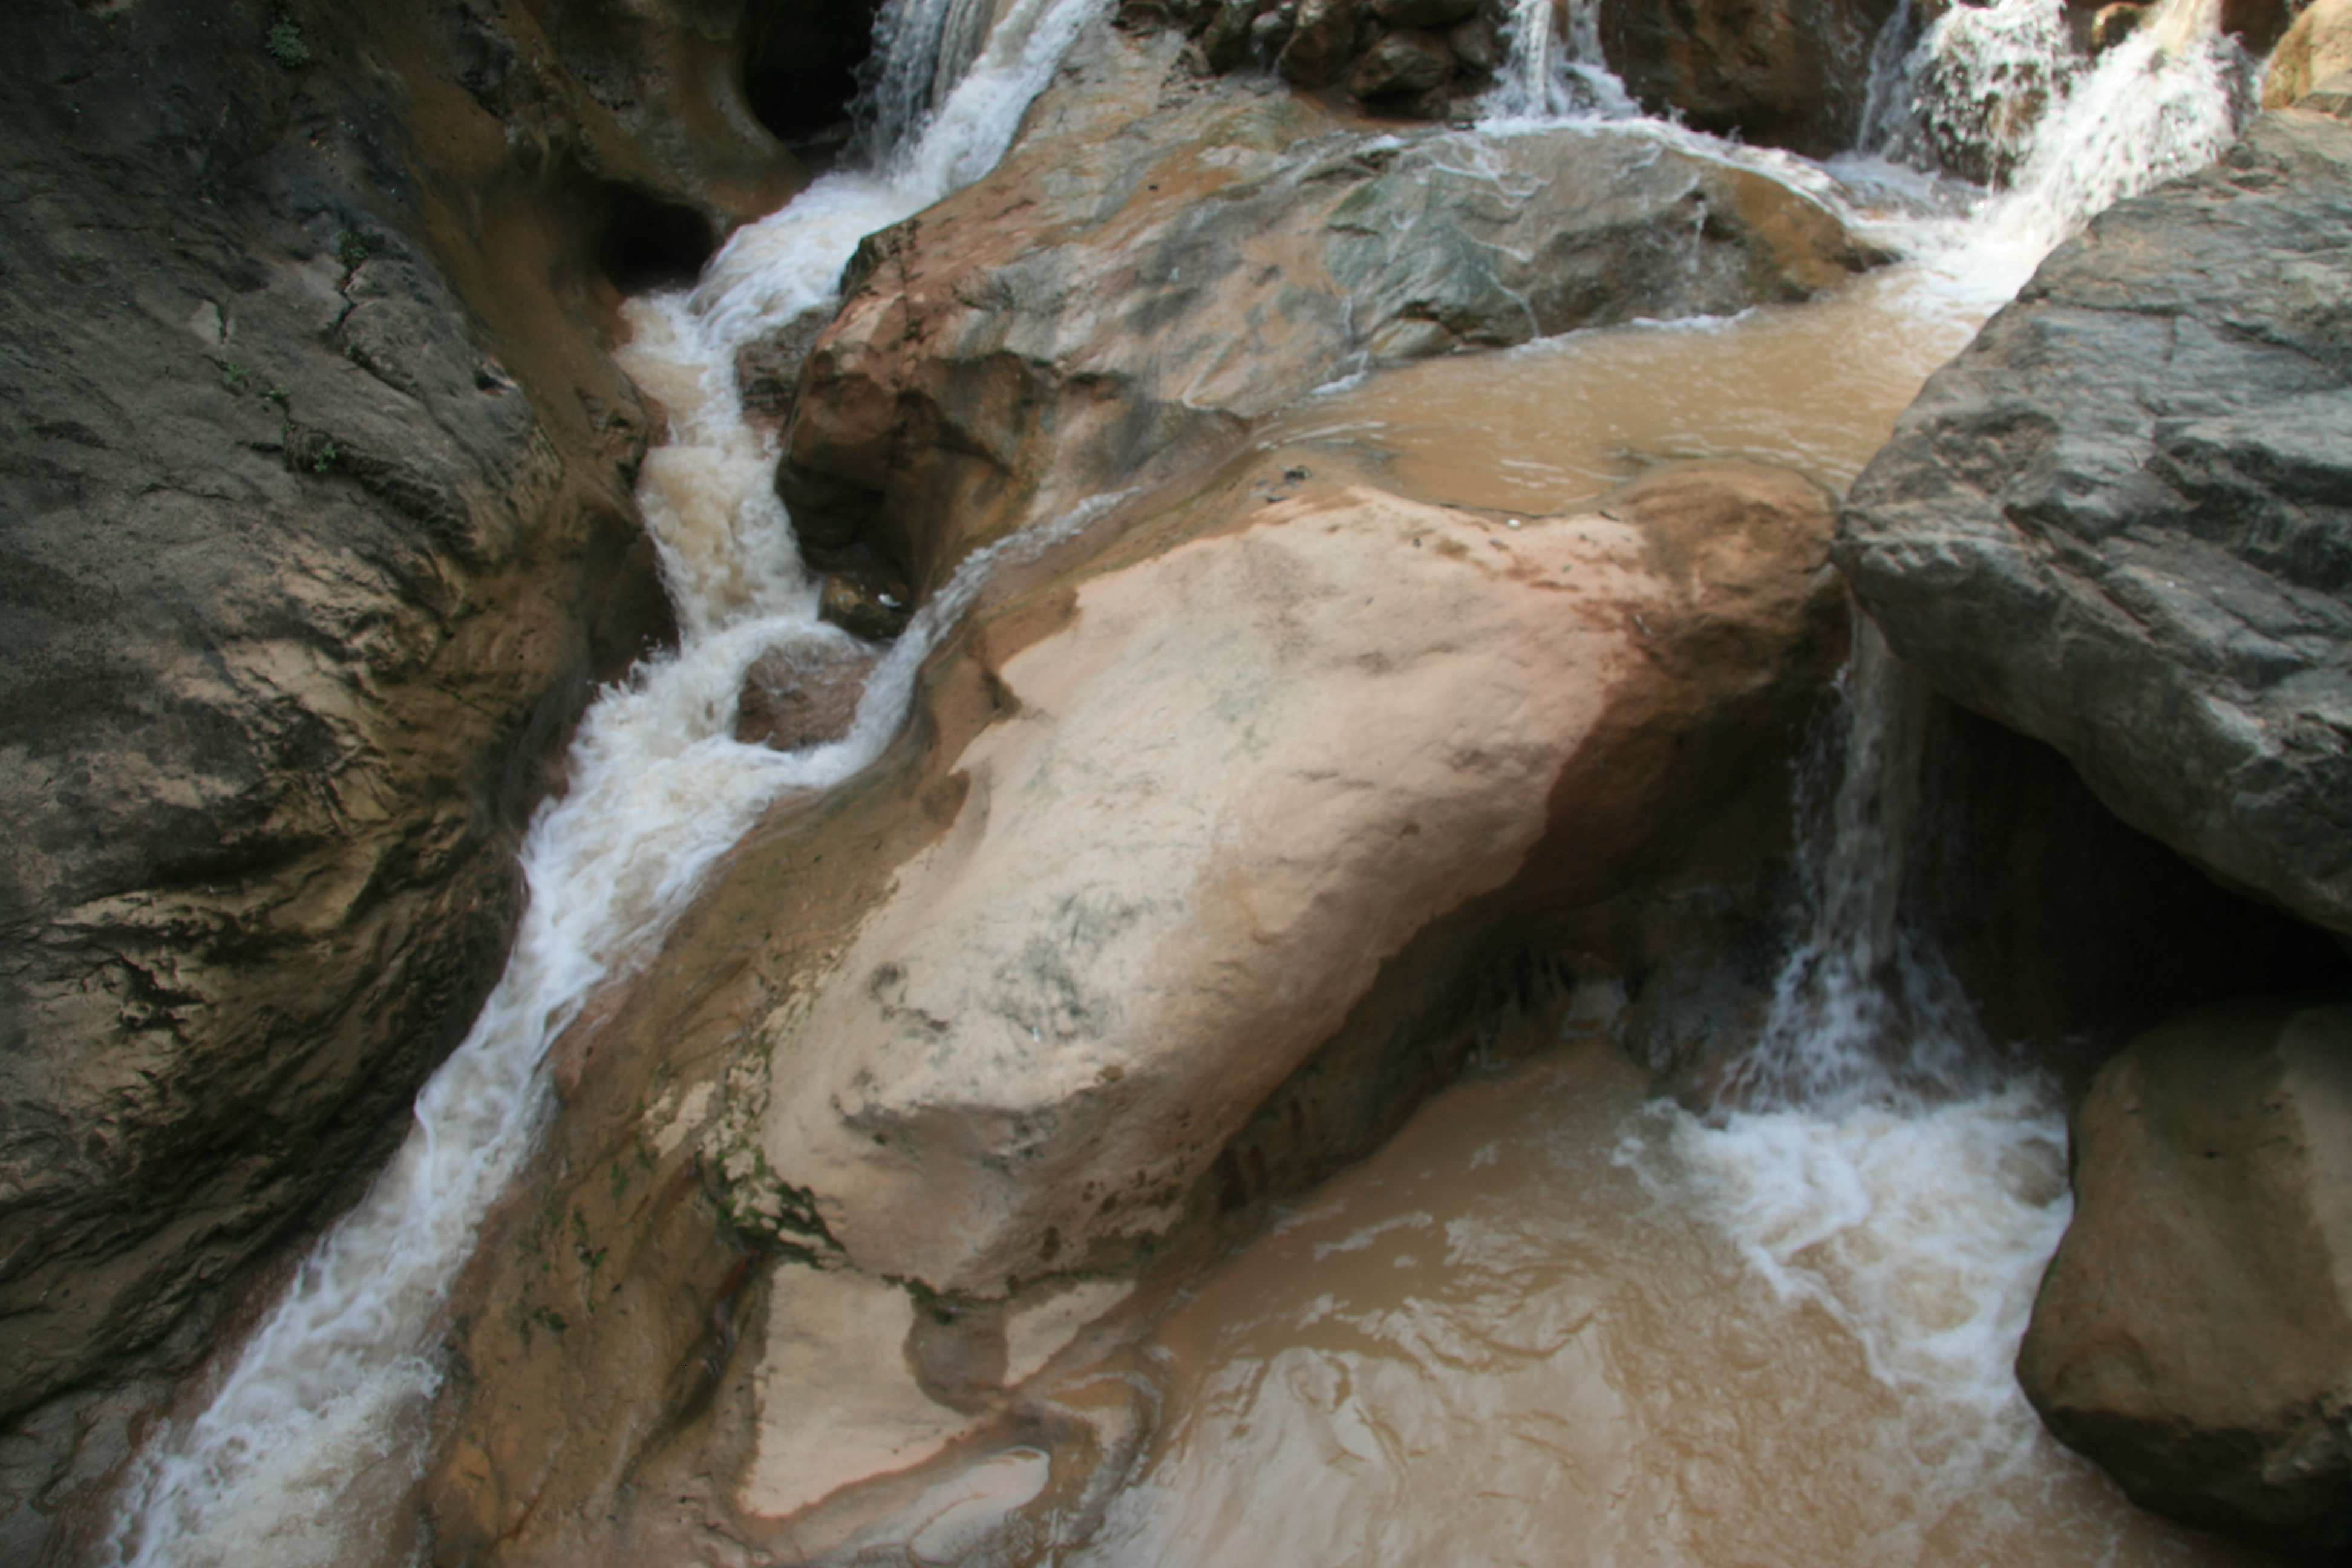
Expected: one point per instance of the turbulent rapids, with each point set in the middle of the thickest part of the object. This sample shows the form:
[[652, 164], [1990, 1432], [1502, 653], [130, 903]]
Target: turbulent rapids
[[1557, 1321]]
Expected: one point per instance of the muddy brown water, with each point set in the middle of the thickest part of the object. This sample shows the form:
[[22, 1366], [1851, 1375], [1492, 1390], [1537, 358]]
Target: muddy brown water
[[1541, 428], [1556, 1321]]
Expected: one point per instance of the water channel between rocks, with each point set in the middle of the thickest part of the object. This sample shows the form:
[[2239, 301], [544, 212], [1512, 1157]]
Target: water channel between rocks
[[1554, 1321], [1559, 1321]]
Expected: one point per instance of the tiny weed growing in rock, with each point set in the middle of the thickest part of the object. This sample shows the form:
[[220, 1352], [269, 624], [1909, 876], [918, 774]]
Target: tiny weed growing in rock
[[233, 375], [284, 42], [353, 250]]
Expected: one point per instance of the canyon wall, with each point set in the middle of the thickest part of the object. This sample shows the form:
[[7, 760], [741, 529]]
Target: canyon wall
[[316, 526]]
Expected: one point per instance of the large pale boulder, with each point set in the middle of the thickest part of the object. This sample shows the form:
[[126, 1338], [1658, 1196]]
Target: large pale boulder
[[1127, 290], [2194, 1332], [1243, 775], [1232, 842], [2117, 522]]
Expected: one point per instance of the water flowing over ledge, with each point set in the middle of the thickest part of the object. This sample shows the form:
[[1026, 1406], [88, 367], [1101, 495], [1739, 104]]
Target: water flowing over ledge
[[310, 1442], [286, 1465]]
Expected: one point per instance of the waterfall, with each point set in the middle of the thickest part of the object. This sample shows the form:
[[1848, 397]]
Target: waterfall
[[1872, 1154], [1864, 1009], [1553, 66], [310, 1447], [2165, 100]]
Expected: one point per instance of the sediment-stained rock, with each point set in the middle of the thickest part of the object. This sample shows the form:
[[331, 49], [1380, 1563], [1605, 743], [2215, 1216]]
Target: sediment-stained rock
[[1128, 289], [2194, 1333], [1244, 775], [2117, 522]]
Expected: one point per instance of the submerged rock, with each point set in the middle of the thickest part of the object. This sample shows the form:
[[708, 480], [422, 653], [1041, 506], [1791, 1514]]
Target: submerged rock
[[1127, 290], [2118, 522], [2194, 1333]]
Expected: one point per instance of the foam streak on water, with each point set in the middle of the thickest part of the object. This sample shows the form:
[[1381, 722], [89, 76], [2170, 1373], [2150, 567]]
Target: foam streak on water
[[309, 1445]]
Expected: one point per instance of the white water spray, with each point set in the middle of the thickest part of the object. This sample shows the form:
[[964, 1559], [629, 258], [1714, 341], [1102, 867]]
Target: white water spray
[[1553, 68], [310, 1444], [1879, 1161]]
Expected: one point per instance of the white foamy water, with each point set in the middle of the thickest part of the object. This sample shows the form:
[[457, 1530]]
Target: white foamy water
[[1552, 69], [1555, 1322], [1888, 1198], [308, 1451]]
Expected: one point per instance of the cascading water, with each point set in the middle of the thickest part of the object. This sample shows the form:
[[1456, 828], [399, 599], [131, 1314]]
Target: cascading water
[[1557, 1321], [309, 1444], [1873, 1166], [1865, 1010], [1553, 66]]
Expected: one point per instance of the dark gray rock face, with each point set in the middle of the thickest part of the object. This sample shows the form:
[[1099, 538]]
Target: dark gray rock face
[[2121, 521], [315, 525], [2194, 1333], [1785, 73]]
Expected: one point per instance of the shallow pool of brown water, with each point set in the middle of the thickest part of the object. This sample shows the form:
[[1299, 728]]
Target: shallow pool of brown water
[[1538, 428], [1557, 1321]]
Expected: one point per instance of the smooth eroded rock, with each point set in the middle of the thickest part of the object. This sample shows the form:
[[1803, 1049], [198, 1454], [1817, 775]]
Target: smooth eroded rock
[[2194, 1333], [1126, 292], [2119, 521], [1247, 772]]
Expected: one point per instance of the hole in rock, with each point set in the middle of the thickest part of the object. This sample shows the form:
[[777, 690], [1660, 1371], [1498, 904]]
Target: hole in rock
[[800, 71], [648, 244]]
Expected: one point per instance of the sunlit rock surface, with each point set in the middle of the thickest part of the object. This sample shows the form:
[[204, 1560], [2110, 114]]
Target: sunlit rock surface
[[2194, 1333], [1158, 906], [2318, 46], [2117, 522]]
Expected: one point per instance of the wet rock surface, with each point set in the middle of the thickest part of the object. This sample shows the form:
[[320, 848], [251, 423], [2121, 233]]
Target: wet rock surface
[[1127, 290], [1785, 73], [315, 526], [1180, 876], [2191, 1332], [802, 696], [2116, 522]]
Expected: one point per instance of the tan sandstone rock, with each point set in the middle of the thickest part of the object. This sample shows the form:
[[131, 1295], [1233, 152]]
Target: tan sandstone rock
[[2318, 46], [2194, 1333], [1245, 774], [1197, 813]]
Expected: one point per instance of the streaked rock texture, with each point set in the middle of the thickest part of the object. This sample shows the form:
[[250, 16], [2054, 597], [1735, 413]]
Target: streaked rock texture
[[2119, 521], [315, 524]]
